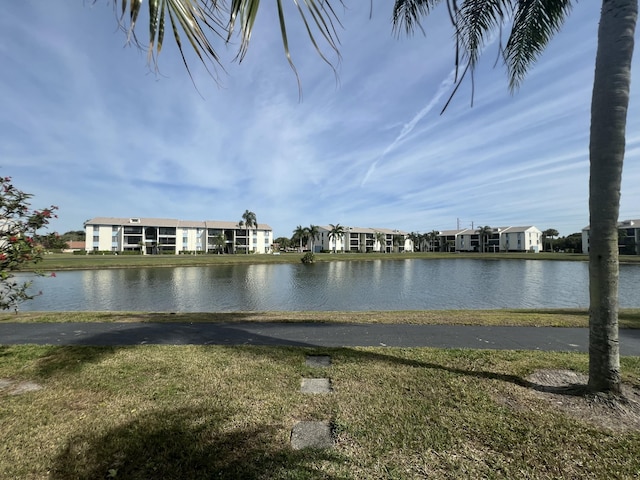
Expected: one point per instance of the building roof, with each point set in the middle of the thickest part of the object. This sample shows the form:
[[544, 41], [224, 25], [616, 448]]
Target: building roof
[[468, 231], [168, 222], [348, 229]]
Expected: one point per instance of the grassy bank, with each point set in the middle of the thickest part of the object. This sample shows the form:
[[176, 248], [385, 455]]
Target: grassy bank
[[58, 262], [227, 412], [628, 318]]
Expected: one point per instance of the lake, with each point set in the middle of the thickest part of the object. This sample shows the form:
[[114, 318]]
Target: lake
[[412, 284]]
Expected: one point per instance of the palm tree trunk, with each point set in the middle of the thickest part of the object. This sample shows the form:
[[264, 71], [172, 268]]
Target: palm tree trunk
[[606, 151]]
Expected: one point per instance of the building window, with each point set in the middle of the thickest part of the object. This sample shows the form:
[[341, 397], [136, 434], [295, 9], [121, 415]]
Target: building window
[[96, 238]]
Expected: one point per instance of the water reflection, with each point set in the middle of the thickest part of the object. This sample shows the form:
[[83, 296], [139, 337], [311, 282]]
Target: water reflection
[[371, 285]]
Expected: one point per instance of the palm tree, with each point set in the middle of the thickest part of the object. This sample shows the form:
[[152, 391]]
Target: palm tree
[[300, 234], [434, 236], [218, 241], [398, 240], [249, 222], [414, 237], [336, 232], [484, 233], [381, 238], [549, 233], [314, 233], [240, 226], [534, 23]]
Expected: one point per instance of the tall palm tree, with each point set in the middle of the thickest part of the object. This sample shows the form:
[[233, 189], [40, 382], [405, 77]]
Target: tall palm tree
[[381, 238], [250, 221], [336, 232], [314, 233], [240, 226], [485, 234], [300, 234], [549, 233], [533, 25]]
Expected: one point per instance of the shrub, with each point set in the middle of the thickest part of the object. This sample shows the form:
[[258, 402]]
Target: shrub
[[308, 258], [18, 225]]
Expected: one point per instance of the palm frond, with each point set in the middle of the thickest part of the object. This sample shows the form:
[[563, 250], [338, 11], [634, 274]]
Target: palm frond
[[196, 19], [476, 21], [318, 17], [407, 14], [535, 22]]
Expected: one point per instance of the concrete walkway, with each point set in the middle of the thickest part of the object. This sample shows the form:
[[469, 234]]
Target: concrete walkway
[[310, 335]]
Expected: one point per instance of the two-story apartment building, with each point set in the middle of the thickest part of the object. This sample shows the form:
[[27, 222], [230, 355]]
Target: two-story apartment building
[[165, 235], [363, 240]]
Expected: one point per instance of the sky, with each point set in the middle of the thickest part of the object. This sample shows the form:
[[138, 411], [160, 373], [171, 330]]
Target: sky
[[88, 125]]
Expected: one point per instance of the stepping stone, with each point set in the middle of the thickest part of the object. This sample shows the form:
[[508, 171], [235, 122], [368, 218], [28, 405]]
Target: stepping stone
[[311, 435], [320, 361], [316, 385]]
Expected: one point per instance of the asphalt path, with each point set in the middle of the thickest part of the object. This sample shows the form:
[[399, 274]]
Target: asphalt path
[[310, 335]]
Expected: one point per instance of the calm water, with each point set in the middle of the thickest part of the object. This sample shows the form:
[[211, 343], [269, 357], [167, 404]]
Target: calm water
[[351, 285]]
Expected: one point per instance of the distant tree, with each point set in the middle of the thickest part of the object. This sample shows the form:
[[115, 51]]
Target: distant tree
[[18, 225], [336, 232], [484, 233], [51, 241], [250, 221], [570, 243], [548, 234], [74, 236], [283, 242], [433, 237]]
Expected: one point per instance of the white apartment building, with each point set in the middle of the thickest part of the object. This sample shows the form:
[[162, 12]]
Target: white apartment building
[[165, 235], [363, 240], [628, 237], [502, 239]]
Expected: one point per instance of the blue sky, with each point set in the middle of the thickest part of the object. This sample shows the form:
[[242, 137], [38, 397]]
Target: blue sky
[[87, 125]]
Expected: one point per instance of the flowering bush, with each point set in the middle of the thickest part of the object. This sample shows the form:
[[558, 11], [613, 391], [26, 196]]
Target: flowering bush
[[18, 225]]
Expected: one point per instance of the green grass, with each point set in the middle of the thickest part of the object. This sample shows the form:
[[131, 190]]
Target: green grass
[[201, 412], [628, 318], [59, 262]]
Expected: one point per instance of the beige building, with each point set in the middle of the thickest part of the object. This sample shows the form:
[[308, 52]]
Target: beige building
[[171, 236]]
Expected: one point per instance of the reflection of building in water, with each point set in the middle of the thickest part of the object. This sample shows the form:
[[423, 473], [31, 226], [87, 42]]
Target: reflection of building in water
[[166, 235]]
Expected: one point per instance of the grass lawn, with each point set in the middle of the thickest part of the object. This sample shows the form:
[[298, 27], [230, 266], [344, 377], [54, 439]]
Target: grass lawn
[[59, 262], [628, 318], [200, 412]]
